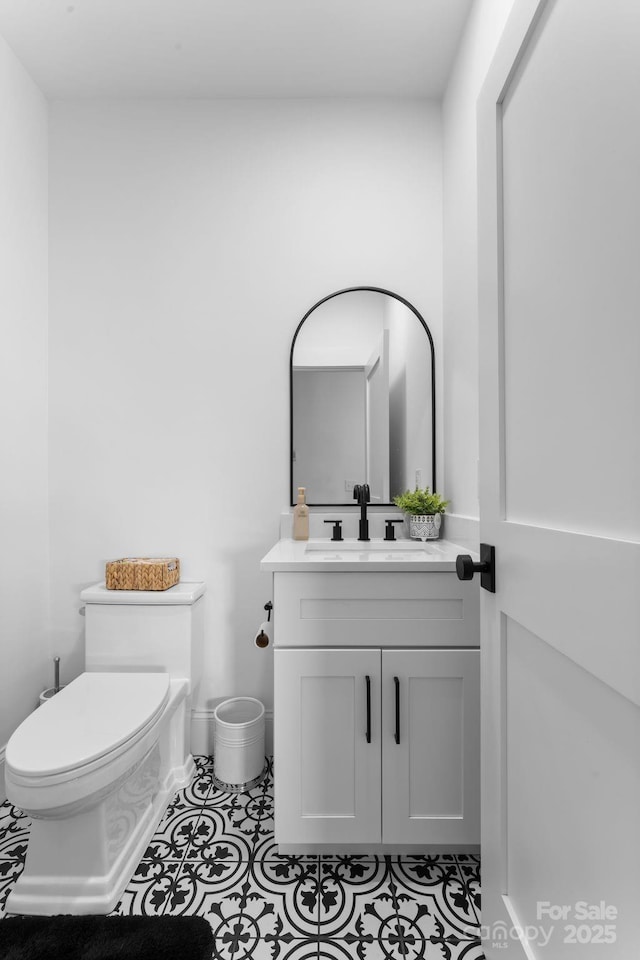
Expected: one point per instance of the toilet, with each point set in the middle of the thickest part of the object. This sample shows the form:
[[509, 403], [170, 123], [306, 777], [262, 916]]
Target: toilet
[[96, 766]]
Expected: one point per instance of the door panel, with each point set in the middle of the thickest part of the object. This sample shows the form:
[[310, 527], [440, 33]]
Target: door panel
[[570, 273], [328, 783], [430, 779], [578, 593], [436, 765], [571, 741], [559, 205], [328, 704]]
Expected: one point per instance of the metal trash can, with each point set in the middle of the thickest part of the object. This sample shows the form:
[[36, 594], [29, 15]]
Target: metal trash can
[[238, 746]]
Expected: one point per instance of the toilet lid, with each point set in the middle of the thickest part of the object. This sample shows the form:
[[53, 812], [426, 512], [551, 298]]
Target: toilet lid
[[91, 717]]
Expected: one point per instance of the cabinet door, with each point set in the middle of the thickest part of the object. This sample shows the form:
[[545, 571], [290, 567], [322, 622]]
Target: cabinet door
[[431, 778], [327, 772]]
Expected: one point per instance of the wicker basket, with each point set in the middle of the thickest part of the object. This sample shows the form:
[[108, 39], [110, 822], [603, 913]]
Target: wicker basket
[[142, 573]]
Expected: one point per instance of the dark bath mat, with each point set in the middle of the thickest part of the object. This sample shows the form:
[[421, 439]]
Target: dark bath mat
[[105, 938]]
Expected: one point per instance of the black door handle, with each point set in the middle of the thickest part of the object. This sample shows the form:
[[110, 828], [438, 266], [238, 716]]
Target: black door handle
[[368, 680], [465, 567], [397, 733]]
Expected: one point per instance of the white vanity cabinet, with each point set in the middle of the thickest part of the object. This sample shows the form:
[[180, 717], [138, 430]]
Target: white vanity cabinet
[[400, 766], [376, 708]]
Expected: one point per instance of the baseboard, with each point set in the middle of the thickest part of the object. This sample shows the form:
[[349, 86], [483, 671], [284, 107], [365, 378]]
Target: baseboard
[[3, 792], [202, 725]]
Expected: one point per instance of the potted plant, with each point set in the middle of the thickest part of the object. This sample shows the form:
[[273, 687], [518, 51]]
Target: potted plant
[[424, 510]]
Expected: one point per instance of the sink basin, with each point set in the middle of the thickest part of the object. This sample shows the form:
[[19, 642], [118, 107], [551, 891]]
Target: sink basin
[[373, 555], [364, 546], [372, 550]]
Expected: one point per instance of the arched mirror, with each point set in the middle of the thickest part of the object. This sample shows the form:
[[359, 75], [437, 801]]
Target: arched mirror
[[362, 385]]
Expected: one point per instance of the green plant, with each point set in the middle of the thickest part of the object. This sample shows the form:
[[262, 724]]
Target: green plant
[[420, 503]]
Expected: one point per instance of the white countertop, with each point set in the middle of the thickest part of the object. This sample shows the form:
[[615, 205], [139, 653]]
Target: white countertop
[[349, 556]]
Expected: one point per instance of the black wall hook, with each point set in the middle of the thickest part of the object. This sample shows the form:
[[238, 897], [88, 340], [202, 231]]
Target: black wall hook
[[268, 607]]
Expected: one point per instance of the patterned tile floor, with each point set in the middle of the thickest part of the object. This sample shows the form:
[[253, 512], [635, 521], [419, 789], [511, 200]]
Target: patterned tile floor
[[214, 855]]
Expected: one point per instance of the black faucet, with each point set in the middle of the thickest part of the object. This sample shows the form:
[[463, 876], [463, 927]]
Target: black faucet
[[362, 494]]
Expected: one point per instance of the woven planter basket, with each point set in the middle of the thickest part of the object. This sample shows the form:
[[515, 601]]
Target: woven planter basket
[[142, 573]]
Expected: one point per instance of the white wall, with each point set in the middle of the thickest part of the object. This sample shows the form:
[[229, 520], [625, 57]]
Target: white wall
[[188, 240], [24, 644], [460, 356]]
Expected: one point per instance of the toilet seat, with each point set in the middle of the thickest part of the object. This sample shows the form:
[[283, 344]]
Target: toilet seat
[[97, 717]]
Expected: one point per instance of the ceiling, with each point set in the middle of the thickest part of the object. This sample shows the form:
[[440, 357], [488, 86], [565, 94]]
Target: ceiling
[[235, 48]]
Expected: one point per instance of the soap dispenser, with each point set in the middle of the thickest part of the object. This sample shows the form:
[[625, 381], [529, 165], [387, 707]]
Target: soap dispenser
[[301, 518]]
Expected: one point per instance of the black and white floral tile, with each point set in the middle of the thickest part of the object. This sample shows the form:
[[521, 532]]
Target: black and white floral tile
[[214, 855]]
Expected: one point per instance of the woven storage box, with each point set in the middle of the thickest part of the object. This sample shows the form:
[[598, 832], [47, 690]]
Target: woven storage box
[[142, 573]]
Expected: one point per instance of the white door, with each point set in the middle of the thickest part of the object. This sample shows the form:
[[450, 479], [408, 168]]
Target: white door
[[377, 417], [431, 746], [559, 271], [327, 746]]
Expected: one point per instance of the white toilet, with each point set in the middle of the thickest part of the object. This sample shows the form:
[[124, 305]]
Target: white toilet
[[96, 766]]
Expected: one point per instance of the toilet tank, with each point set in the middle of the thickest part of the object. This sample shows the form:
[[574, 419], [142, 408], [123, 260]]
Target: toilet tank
[[146, 630]]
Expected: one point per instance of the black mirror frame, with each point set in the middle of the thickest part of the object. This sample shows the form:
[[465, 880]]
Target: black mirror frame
[[419, 316]]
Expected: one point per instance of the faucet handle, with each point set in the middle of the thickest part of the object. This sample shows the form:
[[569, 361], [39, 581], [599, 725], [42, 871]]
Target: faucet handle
[[337, 529], [389, 532]]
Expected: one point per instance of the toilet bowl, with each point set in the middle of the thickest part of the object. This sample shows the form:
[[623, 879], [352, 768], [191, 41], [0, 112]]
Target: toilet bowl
[[96, 766], [61, 759]]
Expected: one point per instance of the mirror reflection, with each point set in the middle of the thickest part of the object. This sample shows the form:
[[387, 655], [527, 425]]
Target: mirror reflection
[[362, 398]]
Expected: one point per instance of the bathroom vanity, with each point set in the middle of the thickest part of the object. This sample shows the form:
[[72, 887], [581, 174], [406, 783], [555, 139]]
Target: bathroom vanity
[[377, 686]]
